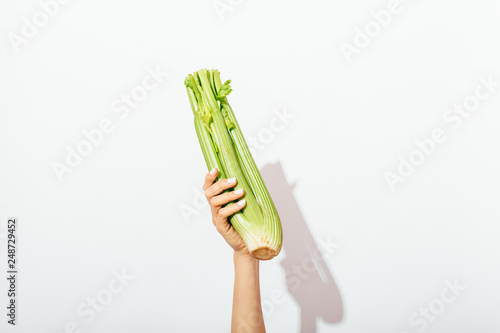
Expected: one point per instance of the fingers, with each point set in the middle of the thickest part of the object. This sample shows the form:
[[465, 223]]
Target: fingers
[[217, 200], [224, 198], [210, 178], [231, 209], [220, 186]]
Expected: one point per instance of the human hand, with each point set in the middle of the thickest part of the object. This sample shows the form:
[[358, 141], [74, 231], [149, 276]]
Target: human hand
[[217, 199]]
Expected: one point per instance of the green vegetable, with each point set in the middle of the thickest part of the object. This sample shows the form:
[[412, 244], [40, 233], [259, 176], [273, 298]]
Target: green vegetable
[[224, 147]]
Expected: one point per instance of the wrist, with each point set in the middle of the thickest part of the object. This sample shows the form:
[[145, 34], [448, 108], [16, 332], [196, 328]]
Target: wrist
[[243, 256]]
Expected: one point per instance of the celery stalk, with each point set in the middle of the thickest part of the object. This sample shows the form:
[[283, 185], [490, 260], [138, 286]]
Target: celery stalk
[[224, 147]]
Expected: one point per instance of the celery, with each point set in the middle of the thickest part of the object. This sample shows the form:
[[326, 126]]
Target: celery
[[224, 147]]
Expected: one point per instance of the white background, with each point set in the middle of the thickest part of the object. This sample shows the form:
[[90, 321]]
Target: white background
[[120, 208]]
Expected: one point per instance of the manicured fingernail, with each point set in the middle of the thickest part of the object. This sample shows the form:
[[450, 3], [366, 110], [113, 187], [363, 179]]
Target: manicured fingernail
[[231, 180], [238, 191], [241, 202], [212, 171]]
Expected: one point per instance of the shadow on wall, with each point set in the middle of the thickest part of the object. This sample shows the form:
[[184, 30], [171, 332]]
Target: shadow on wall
[[308, 277]]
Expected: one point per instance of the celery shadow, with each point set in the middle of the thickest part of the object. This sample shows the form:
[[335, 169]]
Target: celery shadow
[[308, 276]]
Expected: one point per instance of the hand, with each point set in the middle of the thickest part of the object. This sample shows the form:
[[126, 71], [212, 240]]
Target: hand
[[217, 199], [246, 297]]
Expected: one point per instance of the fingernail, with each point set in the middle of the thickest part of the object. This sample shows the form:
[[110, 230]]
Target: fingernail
[[231, 180], [238, 191], [241, 202], [212, 171]]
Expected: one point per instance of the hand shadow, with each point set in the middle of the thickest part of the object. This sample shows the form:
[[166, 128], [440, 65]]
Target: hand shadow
[[308, 277]]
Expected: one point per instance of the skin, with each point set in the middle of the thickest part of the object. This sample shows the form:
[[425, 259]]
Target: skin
[[247, 309]]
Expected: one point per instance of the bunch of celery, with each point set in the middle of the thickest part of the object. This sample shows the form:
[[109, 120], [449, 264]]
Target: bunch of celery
[[225, 148]]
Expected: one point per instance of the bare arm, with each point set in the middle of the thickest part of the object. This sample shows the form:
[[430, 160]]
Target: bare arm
[[247, 309]]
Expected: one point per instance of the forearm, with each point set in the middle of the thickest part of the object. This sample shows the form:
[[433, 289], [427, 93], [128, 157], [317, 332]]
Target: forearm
[[247, 310]]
